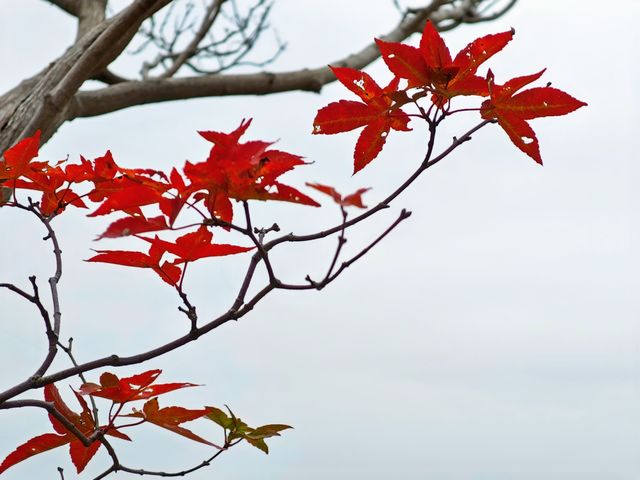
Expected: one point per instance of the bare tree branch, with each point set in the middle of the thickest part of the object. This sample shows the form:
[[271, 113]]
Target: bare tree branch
[[127, 94], [211, 14]]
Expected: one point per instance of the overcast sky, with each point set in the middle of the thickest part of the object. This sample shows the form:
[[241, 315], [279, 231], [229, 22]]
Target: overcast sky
[[494, 335]]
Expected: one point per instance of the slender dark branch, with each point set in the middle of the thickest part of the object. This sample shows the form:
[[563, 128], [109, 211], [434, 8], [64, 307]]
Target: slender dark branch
[[189, 309], [53, 287], [481, 16], [182, 473], [263, 253], [426, 163], [211, 14], [341, 241], [19, 291], [68, 350], [404, 214], [115, 466]]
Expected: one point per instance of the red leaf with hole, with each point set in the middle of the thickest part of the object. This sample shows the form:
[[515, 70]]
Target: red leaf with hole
[[512, 109], [32, 447], [128, 389], [17, 159], [431, 66], [352, 200], [377, 113], [171, 418], [241, 171], [134, 225]]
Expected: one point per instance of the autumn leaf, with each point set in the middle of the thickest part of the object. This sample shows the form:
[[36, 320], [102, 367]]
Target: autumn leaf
[[134, 225], [195, 245], [80, 453], [241, 171], [375, 113], [171, 418], [431, 66], [167, 271], [17, 159], [235, 428], [32, 447], [352, 200], [512, 109], [172, 205], [127, 195], [128, 389]]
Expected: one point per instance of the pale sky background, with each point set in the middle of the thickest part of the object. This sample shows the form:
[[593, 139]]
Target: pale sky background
[[493, 336]]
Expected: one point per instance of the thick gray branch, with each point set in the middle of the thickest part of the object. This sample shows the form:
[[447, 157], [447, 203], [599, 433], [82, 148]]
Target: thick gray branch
[[127, 94]]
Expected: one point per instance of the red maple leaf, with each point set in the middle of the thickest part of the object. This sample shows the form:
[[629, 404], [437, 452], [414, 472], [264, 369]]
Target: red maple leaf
[[134, 225], [431, 67], [195, 245], [171, 206], [167, 271], [171, 418], [352, 200], [80, 454], [128, 389], [375, 113], [241, 171], [17, 159], [119, 189], [512, 109]]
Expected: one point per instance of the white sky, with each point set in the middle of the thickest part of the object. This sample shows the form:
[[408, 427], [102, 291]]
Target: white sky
[[494, 335]]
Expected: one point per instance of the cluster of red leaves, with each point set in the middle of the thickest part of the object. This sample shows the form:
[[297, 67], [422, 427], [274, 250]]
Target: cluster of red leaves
[[117, 390], [234, 170], [430, 71], [121, 391]]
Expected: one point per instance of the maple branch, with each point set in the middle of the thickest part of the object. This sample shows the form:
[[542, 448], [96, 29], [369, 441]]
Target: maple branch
[[341, 241], [182, 473], [52, 338], [240, 306], [250, 233], [68, 351], [189, 309], [115, 466], [52, 335], [52, 331], [404, 214], [426, 163]]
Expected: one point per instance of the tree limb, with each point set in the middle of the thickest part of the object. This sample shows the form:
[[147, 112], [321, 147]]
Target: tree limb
[[128, 94]]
